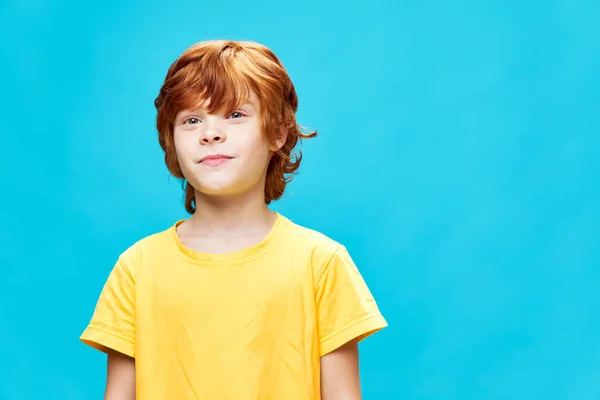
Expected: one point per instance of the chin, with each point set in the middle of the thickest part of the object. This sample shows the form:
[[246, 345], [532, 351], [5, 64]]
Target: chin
[[219, 189], [216, 188]]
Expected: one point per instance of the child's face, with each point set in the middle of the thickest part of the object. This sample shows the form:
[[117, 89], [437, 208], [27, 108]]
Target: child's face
[[222, 154]]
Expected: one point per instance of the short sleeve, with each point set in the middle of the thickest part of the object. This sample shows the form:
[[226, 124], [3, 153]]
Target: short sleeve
[[346, 309], [113, 322]]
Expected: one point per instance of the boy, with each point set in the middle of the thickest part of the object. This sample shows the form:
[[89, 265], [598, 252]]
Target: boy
[[236, 302]]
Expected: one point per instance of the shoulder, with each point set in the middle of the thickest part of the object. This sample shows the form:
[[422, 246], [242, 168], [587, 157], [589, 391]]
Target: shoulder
[[145, 248], [320, 247], [307, 237]]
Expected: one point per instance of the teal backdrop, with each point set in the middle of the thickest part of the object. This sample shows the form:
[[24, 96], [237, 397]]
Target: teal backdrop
[[458, 160]]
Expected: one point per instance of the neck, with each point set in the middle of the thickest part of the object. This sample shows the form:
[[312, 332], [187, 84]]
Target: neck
[[220, 214]]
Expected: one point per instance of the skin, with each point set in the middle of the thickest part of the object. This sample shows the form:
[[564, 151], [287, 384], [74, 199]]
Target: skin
[[120, 377], [231, 212], [340, 378], [231, 215]]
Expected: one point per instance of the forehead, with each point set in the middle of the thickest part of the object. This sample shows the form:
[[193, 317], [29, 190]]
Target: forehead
[[205, 103]]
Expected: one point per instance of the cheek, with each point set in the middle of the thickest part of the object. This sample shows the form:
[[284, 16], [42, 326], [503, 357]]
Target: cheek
[[257, 153], [258, 144], [183, 144]]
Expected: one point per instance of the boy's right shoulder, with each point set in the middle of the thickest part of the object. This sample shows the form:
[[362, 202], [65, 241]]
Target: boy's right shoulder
[[146, 247]]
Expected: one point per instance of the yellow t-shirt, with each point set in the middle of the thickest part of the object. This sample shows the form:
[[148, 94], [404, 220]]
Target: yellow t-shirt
[[245, 325]]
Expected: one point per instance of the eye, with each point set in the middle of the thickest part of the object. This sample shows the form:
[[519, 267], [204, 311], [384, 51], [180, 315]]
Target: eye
[[237, 114], [191, 121]]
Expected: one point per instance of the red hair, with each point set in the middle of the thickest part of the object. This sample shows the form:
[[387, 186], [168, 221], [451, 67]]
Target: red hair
[[224, 72]]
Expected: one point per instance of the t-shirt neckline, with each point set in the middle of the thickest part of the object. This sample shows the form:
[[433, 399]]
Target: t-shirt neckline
[[236, 257]]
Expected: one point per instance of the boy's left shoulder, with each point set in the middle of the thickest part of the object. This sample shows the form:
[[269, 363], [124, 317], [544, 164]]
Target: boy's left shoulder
[[324, 254], [321, 247]]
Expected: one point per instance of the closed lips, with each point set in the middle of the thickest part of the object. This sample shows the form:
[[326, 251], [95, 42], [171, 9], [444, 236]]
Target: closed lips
[[216, 157]]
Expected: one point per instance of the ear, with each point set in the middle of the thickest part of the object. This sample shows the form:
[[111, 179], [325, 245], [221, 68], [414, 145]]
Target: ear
[[280, 140]]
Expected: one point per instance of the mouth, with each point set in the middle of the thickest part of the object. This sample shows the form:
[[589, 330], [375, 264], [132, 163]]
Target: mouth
[[214, 160]]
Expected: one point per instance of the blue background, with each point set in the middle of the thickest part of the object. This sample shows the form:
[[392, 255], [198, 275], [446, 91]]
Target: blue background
[[458, 160]]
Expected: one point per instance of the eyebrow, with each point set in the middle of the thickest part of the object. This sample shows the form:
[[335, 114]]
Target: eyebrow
[[187, 112], [248, 104]]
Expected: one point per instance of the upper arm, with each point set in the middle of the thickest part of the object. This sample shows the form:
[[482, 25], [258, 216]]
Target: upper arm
[[346, 309], [112, 326], [340, 379], [120, 377]]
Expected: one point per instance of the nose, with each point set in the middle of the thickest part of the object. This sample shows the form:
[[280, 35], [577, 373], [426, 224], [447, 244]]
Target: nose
[[212, 134]]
